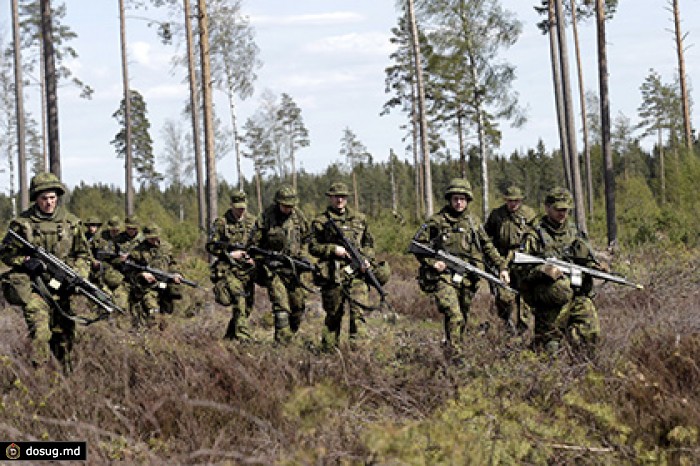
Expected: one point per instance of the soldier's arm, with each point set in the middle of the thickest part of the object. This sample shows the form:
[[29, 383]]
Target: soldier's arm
[[489, 250], [318, 246]]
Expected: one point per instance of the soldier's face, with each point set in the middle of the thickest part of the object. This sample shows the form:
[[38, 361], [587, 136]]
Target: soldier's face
[[47, 202], [286, 209], [238, 211], [459, 202], [557, 216], [339, 202], [92, 229], [132, 231], [513, 204]]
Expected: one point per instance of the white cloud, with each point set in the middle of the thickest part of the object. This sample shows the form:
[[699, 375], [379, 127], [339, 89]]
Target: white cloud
[[322, 79], [320, 19], [144, 54], [375, 43], [167, 91]]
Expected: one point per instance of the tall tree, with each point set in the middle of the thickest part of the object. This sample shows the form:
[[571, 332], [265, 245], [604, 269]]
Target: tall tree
[[179, 164], [685, 100], [141, 141], [355, 154], [234, 57], [128, 151], [257, 144], [19, 111], [51, 83], [468, 35], [292, 131]]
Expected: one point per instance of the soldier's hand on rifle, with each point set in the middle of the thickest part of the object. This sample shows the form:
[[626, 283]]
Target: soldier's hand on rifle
[[34, 265], [149, 277], [440, 266], [552, 271], [505, 276], [604, 267], [340, 251], [239, 254], [96, 265], [177, 278]]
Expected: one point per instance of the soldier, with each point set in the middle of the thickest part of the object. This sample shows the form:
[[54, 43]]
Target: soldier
[[149, 296], [506, 226], [559, 308], [232, 272], [456, 232], [338, 286], [283, 228], [110, 278], [49, 225], [129, 238], [92, 227]]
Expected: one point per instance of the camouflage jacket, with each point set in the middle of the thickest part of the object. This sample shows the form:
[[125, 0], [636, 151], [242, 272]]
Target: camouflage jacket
[[277, 232], [229, 231], [323, 241], [507, 229], [158, 256], [460, 235], [61, 234]]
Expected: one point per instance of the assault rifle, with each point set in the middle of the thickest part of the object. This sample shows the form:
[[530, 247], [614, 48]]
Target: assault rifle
[[576, 272], [278, 259], [357, 261], [161, 275], [455, 264], [64, 278]]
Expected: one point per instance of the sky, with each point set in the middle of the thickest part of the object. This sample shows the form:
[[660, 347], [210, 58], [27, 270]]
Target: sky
[[330, 56]]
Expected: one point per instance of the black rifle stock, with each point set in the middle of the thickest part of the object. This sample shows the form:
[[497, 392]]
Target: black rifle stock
[[455, 264], [574, 271], [357, 261], [64, 277], [298, 265], [161, 275]]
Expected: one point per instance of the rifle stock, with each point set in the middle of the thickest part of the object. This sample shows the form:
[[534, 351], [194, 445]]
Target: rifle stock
[[272, 256], [456, 265], [161, 275], [573, 270]]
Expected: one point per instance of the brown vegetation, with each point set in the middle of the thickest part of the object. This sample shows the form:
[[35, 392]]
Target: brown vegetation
[[177, 393]]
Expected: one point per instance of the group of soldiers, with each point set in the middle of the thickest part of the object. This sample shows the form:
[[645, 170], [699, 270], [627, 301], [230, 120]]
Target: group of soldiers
[[276, 249]]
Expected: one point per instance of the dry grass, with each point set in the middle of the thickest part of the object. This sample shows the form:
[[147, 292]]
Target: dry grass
[[178, 394]]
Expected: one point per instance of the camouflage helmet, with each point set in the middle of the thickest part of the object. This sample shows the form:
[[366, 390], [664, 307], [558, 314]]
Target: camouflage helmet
[[45, 182], [151, 231], [338, 189], [113, 223], [92, 220], [286, 196], [459, 186], [131, 222], [559, 198], [513, 193], [238, 200]]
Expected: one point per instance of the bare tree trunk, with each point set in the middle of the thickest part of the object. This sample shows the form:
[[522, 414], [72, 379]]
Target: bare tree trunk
[[354, 190], [576, 187], [417, 161], [662, 167], [293, 160], [687, 131], [392, 179], [462, 148], [234, 130], [128, 156], [421, 111], [19, 109], [51, 88], [194, 111], [584, 119], [258, 189], [483, 150], [44, 123], [558, 94], [605, 127], [210, 156]]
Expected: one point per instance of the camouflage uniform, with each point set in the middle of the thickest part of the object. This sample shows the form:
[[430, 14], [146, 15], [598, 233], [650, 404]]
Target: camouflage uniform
[[459, 234], [110, 278], [59, 233], [507, 230], [233, 278], [276, 231], [559, 308], [337, 285], [148, 299]]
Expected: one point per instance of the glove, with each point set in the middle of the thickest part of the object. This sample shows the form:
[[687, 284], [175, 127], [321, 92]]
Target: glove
[[34, 266], [604, 267], [552, 271]]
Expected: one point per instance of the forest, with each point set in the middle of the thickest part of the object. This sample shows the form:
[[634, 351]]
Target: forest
[[178, 393]]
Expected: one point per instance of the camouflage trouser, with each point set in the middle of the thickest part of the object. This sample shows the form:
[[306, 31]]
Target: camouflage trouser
[[333, 298], [577, 320], [49, 331], [288, 299], [113, 283], [454, 301], [238, 293], [513, 311], [147, 300]]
